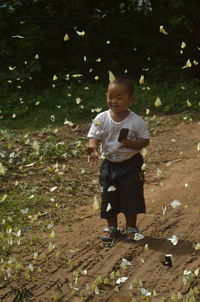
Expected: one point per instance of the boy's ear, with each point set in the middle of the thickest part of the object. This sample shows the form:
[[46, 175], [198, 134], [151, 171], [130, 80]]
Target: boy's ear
[[132, 99]]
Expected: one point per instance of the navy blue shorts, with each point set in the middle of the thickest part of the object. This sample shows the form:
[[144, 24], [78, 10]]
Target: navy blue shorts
[[122, 187]]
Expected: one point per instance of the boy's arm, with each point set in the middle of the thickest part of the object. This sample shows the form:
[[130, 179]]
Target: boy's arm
[[92, 150], [138, 144]]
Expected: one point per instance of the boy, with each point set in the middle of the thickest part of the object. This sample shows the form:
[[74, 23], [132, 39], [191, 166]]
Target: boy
[[120, 173]]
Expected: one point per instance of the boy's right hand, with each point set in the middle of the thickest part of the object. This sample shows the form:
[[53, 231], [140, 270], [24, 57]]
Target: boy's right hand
[[93, 157]]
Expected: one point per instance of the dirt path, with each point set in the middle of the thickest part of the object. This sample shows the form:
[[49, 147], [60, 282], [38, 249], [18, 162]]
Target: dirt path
[[82, 268]]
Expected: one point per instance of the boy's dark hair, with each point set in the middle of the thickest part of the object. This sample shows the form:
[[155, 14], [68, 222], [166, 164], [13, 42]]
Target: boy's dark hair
[[126, 81]]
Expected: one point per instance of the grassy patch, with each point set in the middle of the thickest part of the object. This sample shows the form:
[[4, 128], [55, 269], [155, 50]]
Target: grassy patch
[[41, 182], [80, 102]]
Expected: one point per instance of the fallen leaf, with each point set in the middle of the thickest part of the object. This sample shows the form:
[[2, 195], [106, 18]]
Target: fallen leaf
[[144, 292], [144, 166], [36, 146], [111, 76], [12, 68], [158, 102], [96, 122], [78, 101], [116, 289], [66, 122], [98, 109], [53, 234], [95, 204], [66, 37], [108, 207], [51, 246], [52, 189], [173, 239], [162, 30], [18, 36], [24, 211], [30, 267], [183, 45], [2, 169], [111, 189], [158, 172], [141, 81], [77, 75], [121, 280], [96, 290], [138, 236], [164, 209], [196, 272], [80, 33], [187, 272], [144, 151], [125, 263], [35, 255], [147, 111], [188, 64], [175, 203], [189, 104], [197, 246], [4, 197], [52, 118], [112, 275]]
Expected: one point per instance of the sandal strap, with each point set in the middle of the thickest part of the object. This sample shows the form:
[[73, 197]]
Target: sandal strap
[[111, 229], [130, 230]]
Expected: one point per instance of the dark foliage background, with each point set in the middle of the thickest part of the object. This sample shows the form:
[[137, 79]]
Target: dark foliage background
[[123, 34]]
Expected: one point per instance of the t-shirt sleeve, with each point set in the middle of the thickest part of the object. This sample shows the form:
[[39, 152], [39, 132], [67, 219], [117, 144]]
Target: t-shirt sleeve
[[95, 130], [142, 130]]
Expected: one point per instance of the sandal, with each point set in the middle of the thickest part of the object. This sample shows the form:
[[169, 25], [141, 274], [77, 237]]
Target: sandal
[[110, 233], [130, 233]]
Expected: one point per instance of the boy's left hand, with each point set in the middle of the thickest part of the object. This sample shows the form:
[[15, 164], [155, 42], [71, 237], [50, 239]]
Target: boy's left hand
[[127, 143], [137, 144]]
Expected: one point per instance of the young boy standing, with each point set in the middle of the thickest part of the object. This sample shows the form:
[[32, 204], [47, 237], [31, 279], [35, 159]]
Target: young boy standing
[[120, 173]]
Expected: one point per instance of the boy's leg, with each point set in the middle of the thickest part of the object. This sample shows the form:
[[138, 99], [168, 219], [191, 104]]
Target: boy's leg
[[131, 220], [112, 221]]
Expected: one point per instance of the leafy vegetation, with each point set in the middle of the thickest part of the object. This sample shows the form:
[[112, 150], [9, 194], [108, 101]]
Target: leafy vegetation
[[82, 101], [52, 54]]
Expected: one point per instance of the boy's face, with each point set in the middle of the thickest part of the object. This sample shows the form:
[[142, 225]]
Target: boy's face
[[118, 98]]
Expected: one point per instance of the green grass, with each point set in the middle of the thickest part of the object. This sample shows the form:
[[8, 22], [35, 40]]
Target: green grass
[[26, 194], [54, 105]]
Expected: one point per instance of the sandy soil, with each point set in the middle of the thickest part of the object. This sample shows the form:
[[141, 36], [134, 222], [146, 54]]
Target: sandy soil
[[83, 268]]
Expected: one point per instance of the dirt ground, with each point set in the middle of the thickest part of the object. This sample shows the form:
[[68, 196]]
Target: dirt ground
[[82, 268]]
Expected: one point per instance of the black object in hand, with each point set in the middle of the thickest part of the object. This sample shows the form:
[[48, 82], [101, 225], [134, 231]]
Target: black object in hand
[[123, 134]]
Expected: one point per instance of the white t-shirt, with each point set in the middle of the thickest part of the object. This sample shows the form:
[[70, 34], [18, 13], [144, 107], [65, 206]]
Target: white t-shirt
[[105, 129]]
